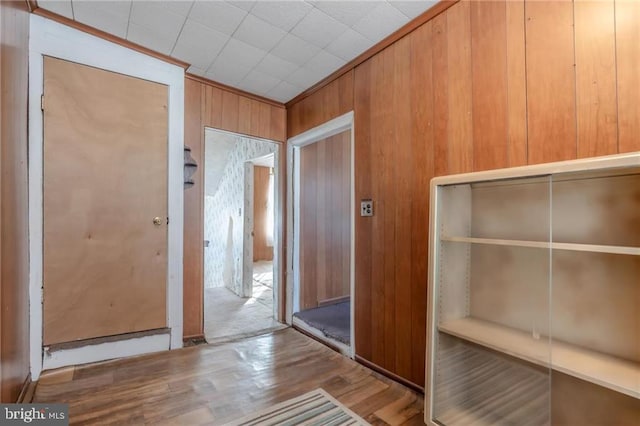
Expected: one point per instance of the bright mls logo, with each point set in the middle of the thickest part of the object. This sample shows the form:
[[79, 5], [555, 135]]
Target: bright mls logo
[[36, 414]]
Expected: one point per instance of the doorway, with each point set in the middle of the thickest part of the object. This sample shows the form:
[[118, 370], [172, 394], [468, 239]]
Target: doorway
[[321, 230], [241, 242], [52, 40]]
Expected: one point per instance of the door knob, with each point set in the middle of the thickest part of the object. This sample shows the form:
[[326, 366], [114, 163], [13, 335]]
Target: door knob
[[157, 221]]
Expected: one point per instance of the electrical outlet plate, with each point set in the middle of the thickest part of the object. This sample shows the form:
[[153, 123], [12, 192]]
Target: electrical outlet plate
[[366, 208]]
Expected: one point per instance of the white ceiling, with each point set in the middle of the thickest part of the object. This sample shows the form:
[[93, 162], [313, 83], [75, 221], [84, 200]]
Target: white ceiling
[[275, 49]]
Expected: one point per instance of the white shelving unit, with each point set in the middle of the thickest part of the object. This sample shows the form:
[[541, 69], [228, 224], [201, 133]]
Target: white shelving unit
[[537, 268], [608, 371], [633, 251]]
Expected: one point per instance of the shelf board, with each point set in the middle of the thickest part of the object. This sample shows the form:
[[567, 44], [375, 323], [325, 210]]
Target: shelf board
[[633, 251], [594, 248], [497, 242], [604, 370]]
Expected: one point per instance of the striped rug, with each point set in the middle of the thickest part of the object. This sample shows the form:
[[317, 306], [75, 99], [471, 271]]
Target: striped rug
[[316, 408]]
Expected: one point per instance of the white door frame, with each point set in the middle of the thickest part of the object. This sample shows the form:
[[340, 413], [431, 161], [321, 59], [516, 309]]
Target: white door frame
[[249, 200], [277, 227], [294, 144], [60, 41]]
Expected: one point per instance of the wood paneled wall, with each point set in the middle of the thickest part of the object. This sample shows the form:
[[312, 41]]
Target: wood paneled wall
[[209, 106], [333, 100], [239, 114], [464, 92], [193, 243], [261, 249], [325, 222], [627, 36], [14, 259]]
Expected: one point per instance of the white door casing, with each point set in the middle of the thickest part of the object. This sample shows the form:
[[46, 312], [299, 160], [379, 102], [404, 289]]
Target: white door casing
[[294, 144], [53, 39]]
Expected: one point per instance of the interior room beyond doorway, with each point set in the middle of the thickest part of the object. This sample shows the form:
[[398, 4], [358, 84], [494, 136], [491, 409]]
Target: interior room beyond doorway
[[240, 292]]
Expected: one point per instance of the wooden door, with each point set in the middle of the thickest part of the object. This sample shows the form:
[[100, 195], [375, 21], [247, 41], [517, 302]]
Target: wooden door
[[105, 180], [261, 248]]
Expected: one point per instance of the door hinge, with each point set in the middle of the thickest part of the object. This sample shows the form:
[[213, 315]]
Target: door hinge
[[167, 220], [42, 102]]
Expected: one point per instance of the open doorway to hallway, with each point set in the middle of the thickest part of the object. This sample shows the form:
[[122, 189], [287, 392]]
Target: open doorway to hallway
[[321, 232], [240, 255]]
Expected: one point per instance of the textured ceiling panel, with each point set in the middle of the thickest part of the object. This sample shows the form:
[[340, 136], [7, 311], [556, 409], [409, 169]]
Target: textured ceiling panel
[[275, 49]]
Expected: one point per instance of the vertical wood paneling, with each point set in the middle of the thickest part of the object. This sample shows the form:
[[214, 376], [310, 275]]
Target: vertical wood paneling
[[363, 189], [403, 145], [489, 79], [278, 123], [378, 250], [329, 102], [255, 118], [244, 115], [319, 240], [294, 118], [345, 92], [389, 199], [207, 106], [14, 215], [332, 233], [193, 265], [264, 120], [212, 106], [230, 115], [628, 71], [324, 214], [440, 79], [491, 84], [516, 83], [229, 111], [551, 87], [338, 187], [422, 170], [308, 264], [460, 121], [346, 210], [596, 101], [261, 249]]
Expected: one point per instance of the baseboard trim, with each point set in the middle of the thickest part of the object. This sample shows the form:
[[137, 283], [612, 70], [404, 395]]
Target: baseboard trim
[[193, 337], [139, 345], [27, 391], [334, 300], [389, 374], [106, 339]]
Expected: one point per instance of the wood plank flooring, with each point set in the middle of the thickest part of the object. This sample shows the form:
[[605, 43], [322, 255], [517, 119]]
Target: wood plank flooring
[[214, 384]]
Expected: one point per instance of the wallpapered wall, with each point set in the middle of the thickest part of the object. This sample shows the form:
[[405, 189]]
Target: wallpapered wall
[[224, 216]]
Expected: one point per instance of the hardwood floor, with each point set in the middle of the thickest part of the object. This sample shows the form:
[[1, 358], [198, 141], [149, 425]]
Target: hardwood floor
[[214, 384]]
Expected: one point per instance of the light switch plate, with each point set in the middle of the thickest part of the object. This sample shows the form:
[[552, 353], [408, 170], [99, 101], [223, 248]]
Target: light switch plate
[[366, 208]]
